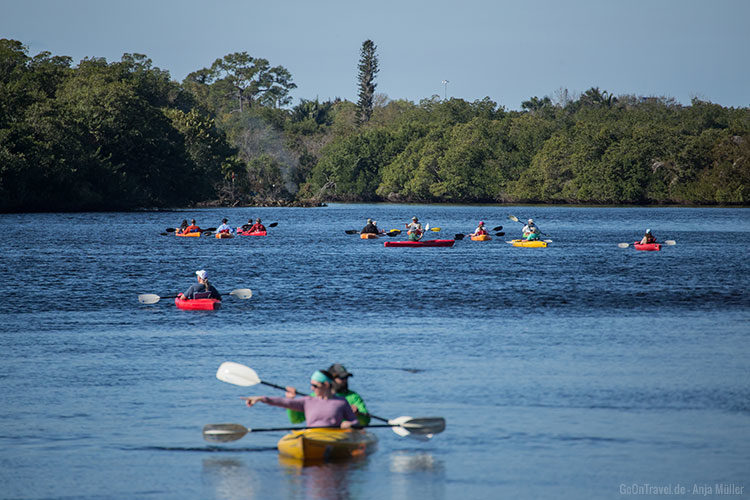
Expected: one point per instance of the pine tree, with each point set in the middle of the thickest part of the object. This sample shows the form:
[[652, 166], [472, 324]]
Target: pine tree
[[368, 68]]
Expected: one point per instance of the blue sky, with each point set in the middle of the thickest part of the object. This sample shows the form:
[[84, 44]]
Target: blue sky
[[507, 50]]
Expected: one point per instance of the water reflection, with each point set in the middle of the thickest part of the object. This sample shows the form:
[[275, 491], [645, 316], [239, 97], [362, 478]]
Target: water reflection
[[230, 479], [416, 474], [329, 481]]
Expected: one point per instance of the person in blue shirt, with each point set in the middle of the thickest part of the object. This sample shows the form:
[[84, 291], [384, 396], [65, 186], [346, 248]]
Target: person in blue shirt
[[224, 228]]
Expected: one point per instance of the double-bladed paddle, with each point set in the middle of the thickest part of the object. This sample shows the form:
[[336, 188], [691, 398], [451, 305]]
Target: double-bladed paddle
[[152, 298], [239, 374], [665, 242], [391, 233], [461, 236], [514, 218], [420, 427]]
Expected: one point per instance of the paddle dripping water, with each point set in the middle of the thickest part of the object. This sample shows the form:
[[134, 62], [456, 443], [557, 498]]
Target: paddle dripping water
[[597, 365]]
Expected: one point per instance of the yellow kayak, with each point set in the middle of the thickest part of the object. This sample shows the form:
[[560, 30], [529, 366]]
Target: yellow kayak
[[223, 236], [529, 243], [481, 237], [327, 444], [368, 236]]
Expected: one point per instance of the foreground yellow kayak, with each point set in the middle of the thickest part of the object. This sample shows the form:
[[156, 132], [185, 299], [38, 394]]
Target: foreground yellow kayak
[[327, 444], [529, 244]]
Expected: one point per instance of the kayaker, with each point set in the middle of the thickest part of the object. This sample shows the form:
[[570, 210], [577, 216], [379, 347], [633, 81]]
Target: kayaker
[[480, 230], [246, 227], [183, 226], [370, 228], [324, 409], [415, 231], [192, 228], [224, 228], [201, 290], [648, 238], [530, 231], [341, 388], [257, 227]]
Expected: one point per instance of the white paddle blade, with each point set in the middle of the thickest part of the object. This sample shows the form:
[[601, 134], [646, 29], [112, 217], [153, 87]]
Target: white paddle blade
[[223, 433], [237, 374], [623, 245], [425, 427], [242, 293], [427, 227], [513, 218], [670, 242], [148, 298]]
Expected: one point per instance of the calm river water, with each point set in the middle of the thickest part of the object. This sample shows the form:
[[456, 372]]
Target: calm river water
[[577, 371]]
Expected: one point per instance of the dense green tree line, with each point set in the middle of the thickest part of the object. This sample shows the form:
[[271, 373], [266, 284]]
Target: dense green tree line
[[598, 149], [101, 136], [123, 135]]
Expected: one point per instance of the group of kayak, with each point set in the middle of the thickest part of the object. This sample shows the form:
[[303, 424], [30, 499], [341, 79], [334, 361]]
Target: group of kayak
[[223, 231], [531, 236]]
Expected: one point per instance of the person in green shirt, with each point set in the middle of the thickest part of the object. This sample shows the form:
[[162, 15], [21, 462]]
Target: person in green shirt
[[340, 380]]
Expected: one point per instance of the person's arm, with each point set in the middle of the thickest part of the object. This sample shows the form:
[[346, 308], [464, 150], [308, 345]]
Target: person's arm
[[292, 404], [359, 408], [349, 418], [189, 292]]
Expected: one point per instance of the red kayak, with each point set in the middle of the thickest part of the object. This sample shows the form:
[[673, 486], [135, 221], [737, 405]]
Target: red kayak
[[254, 233], [197, 304], [649, 247], [416, 244]]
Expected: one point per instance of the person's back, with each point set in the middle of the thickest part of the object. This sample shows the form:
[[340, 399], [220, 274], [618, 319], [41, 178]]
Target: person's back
[[203, 289], [192, 228], [224, 228], [370, 228]]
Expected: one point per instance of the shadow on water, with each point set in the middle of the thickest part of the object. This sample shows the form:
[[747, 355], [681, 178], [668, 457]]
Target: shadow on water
[[203, 449]]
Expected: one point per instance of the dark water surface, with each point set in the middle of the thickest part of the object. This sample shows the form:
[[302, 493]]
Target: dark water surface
[[577, 371]]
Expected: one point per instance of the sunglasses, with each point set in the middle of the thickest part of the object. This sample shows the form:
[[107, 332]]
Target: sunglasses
[[317, 386]]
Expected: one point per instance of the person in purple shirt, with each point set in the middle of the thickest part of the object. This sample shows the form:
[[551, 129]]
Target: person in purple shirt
[[324, 409]]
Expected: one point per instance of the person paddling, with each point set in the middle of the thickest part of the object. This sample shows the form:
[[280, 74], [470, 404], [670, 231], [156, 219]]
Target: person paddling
[[201, 290], [341, 387], [257, 227], [324, 409], [370, 228], [415, 230], [480, 230], [192, 228], [648, 238], [224, 228], [530, 231], [183, 226]]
